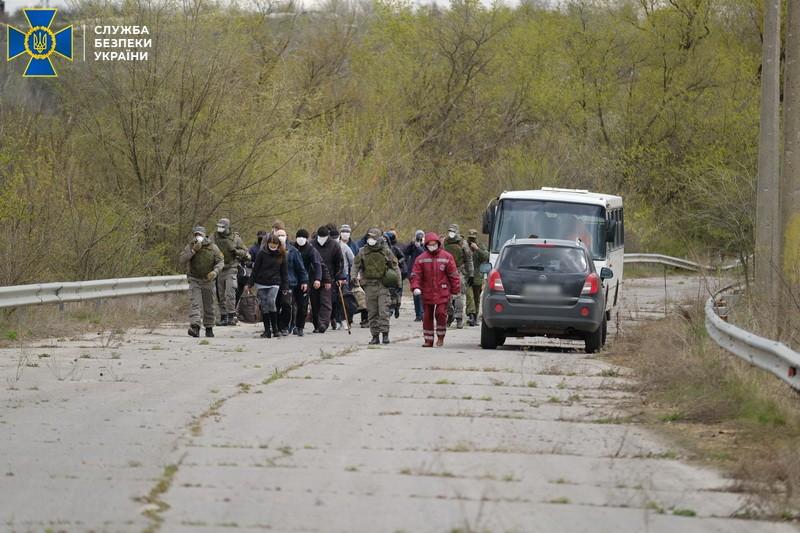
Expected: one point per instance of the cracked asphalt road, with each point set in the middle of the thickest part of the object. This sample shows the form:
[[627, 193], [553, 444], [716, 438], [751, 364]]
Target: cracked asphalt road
[[158, 431]]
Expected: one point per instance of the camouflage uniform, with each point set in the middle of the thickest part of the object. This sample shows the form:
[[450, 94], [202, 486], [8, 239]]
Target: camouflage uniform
[[233, 249], [369, 268], [457, 247], [203, 264], [479, 256]]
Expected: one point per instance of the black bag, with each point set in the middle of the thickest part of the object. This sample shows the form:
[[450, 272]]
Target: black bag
[[249, 310]]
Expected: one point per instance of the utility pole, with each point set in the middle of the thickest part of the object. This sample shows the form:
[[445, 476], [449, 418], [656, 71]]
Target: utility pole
[[790, 177], [768, 242]]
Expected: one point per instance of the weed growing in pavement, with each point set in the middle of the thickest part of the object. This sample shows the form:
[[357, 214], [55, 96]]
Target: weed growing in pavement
[[443, 382], [684, 512], [532, 384], [562, 500]]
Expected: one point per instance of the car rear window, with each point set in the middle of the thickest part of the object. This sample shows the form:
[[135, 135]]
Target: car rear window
[[559, 259]]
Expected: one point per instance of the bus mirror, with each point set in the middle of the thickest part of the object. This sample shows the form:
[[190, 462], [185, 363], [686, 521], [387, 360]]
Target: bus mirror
[[488, 217], [606, 273], [611, 230], [485, 268]]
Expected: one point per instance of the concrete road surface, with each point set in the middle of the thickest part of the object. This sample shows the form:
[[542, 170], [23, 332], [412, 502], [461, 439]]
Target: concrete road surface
[[159, 431]]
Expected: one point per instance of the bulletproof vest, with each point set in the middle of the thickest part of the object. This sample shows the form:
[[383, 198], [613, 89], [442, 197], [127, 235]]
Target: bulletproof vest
[[227, 247], [202, 262], [456, 250], [374, 264]]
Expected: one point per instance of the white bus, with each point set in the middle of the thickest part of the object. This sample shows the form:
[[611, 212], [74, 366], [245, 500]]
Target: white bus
[[550, 213]]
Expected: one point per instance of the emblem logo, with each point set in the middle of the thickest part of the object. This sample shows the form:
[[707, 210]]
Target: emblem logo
[[39, 42], [542, 277]]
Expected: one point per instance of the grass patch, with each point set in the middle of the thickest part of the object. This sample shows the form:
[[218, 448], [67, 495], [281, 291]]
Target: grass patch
[[695, 390], [684, 512]]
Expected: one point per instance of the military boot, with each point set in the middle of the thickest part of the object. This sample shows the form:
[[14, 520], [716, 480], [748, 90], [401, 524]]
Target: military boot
[[375, 340], [194, 330], [460, 323], [232, 320], [209, 331], [472, 322], [267, 327], [385, 338]]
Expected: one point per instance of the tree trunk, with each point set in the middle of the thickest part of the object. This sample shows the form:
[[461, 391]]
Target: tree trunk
[[789, 227], [767, 224]]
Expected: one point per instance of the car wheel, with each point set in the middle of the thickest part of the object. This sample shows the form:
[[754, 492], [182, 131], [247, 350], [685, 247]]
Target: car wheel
[[594, 340], [488, 337]]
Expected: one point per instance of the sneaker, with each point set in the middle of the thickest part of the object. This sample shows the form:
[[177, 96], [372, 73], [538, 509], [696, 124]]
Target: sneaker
[[285, 332], [375, 340], [209, 332], [266, 335], [364, 325], [232, 320], [460, 323], [419, 319], [223, 320], [333, 325], [194, 330], [397, 312], [300, 333], [385, 338]]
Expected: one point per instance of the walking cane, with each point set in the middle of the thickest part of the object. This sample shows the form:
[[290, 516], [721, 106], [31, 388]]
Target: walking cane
[[344, 308]]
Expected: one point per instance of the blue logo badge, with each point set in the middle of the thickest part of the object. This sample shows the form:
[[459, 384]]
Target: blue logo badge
[[39, 42]]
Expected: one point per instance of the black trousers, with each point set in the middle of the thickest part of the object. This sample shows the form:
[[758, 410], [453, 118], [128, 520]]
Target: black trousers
[[285, 305], [321, 307], [300, 307]]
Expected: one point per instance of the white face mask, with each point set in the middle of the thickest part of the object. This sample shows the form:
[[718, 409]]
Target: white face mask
[[432, 247], [451, 234], [198, 238], [282, 238], [372, 242], [272, 247], [220, 229], [322, 240], [345, 236], [301, 241]]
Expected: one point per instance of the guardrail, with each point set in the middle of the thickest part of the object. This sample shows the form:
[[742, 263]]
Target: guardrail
[[77, 291], [675, 262], [766, 354]]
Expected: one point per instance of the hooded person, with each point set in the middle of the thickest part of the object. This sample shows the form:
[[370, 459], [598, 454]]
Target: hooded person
[[435, 278], [312, 263], [270, 277], [203, 262], [370, 270], [333, 263], [413, 250], [479, 255], [233, 250], [457, 246]]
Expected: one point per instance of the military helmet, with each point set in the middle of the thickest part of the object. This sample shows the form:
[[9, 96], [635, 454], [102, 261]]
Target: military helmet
[[473, 233], [453, 227], [375, 233], [199, 229]]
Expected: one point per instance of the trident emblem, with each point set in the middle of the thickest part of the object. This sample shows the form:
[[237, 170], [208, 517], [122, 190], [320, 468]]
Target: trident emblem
[[39, 43]]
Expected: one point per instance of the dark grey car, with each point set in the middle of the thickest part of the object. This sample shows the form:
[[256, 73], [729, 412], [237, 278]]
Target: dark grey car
[[544, 287]]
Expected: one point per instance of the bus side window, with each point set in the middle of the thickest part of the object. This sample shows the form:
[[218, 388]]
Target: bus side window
[[621, 227]]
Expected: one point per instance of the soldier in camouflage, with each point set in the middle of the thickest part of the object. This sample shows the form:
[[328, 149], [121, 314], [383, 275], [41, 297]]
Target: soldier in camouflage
[[456, 246], [370, 267], [234, 250], [203, 262], [479, 255]]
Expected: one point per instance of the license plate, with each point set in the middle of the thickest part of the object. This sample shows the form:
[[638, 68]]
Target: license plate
[[542, 291]]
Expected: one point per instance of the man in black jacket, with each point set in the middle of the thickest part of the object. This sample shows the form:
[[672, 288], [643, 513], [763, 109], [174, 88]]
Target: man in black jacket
[[313, 265], [333, 272]]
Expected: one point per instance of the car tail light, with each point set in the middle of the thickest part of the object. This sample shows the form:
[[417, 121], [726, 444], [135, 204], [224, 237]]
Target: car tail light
[[591, 285], [495, 282]]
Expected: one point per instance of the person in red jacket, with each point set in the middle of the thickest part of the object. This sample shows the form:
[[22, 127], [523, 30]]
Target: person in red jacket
[[435, 277]]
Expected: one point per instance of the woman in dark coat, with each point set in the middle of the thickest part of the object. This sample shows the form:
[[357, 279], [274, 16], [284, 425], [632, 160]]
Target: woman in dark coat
[[270, 275]]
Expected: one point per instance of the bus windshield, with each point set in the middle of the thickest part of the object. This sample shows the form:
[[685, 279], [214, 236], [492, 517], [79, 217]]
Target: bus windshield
[[551, 220]]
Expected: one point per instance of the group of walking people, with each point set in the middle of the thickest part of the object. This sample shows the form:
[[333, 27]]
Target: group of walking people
[[337, 276]]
